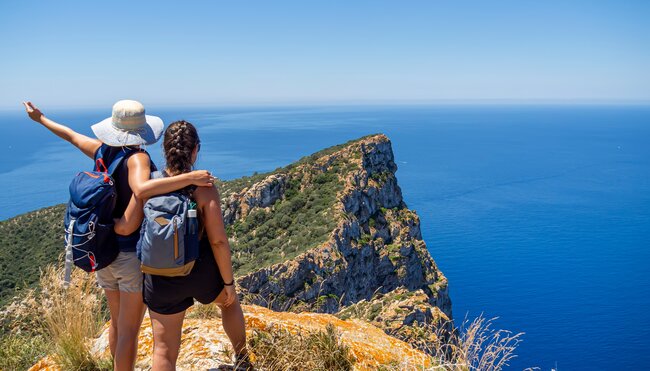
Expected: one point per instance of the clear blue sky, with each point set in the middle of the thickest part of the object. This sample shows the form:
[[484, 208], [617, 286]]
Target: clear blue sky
[[217, 53]]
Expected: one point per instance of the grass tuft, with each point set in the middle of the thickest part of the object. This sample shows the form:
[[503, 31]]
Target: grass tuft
[[71, 317], [204, 311], [476, 345], [279, 349], [20, 352]]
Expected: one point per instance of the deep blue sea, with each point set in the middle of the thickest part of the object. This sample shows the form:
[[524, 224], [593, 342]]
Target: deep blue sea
[[538, 215]]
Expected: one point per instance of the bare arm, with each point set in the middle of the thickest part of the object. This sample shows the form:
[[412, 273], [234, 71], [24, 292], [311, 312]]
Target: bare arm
[[86, 144], [210, 205], [132, 218], [143, 187]]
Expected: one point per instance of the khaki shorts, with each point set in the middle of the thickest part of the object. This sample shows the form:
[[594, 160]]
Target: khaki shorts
[[123, 274]]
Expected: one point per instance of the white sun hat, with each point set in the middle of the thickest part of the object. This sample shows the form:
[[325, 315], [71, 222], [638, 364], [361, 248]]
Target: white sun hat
[[129, 126]]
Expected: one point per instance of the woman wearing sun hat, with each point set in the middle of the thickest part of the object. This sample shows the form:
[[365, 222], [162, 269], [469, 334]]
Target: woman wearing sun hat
[[127, 128]]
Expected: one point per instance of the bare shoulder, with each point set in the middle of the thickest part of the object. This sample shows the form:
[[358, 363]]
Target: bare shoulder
[[138, 159], [203, 195]]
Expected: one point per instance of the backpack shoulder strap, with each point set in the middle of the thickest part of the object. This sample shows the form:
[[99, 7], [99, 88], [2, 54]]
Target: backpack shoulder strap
[[100, 165], [121, 155]]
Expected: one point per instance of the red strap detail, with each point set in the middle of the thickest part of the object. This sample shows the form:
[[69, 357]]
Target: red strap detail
[[93, 263], [99, 164], [91, 174], [107, 178]]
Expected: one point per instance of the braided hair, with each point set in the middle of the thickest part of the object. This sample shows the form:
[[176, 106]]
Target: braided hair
[[178, 145]]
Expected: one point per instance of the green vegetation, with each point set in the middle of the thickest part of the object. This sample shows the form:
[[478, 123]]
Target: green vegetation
[[381, 177], [228, 187], [370, 309], [329, 151], [27, 244], [299, 221], [20, 352]]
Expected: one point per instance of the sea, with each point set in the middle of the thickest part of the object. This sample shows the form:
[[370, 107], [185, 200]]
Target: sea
[[539, 215]]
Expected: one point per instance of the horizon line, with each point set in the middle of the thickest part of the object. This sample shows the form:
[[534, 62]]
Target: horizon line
[[373, 102]]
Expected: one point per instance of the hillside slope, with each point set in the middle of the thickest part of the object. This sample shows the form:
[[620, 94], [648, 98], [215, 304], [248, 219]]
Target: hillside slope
[[27, 243]]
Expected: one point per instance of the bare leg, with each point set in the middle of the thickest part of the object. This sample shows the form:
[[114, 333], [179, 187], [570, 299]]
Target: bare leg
[[128, 327], [232, 318], [166, 339], [113, 298]]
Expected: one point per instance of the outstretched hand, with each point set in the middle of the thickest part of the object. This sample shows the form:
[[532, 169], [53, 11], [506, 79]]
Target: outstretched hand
[[202, 178], [33, 111]]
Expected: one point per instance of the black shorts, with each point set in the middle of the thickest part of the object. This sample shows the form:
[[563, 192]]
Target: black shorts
[[171, 295]]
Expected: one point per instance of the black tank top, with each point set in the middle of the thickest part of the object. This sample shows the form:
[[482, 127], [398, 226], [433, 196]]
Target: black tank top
[[124, 192]]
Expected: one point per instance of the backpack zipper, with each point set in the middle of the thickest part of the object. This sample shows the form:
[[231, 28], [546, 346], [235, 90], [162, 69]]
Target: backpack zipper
[[175, 239]]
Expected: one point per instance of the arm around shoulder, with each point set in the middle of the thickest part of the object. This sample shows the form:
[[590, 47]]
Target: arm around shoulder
[[143, 187]]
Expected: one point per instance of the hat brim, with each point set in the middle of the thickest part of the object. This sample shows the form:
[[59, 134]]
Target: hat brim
[[147, 134]]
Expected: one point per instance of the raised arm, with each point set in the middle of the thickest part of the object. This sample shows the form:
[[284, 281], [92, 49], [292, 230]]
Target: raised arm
[[143, 187], [86, 144], [210, 206]]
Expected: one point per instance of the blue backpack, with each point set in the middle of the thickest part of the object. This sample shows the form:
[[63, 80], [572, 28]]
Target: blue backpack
[[90, 241], [169, 236]]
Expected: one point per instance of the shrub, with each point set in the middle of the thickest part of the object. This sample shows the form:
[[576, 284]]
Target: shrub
[[300, 220], [21, 351], [476, 345], [204, 311], [279, 349], [71, 317]]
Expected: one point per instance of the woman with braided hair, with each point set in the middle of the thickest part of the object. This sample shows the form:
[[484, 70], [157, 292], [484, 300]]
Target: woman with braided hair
[[211, 279]]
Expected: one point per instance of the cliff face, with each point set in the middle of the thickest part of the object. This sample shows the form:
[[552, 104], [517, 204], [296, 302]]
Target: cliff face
[[261, 194], [375, 246]]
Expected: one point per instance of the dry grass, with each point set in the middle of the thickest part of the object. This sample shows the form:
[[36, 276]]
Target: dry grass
[[19, 352], [204, 311], [71, 317], [279, 349], [476, 345], [61, 322], [482, 347], [53, 320]]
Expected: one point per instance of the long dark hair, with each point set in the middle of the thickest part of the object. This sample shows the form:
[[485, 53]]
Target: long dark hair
[[180, 140]]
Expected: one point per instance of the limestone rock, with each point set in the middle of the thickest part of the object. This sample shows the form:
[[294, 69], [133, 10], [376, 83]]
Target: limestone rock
[[205, 346], [376, 246], [399, 313], [261, 194]]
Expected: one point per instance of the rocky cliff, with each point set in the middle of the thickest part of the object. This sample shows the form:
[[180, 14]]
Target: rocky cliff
[[374, 247]]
